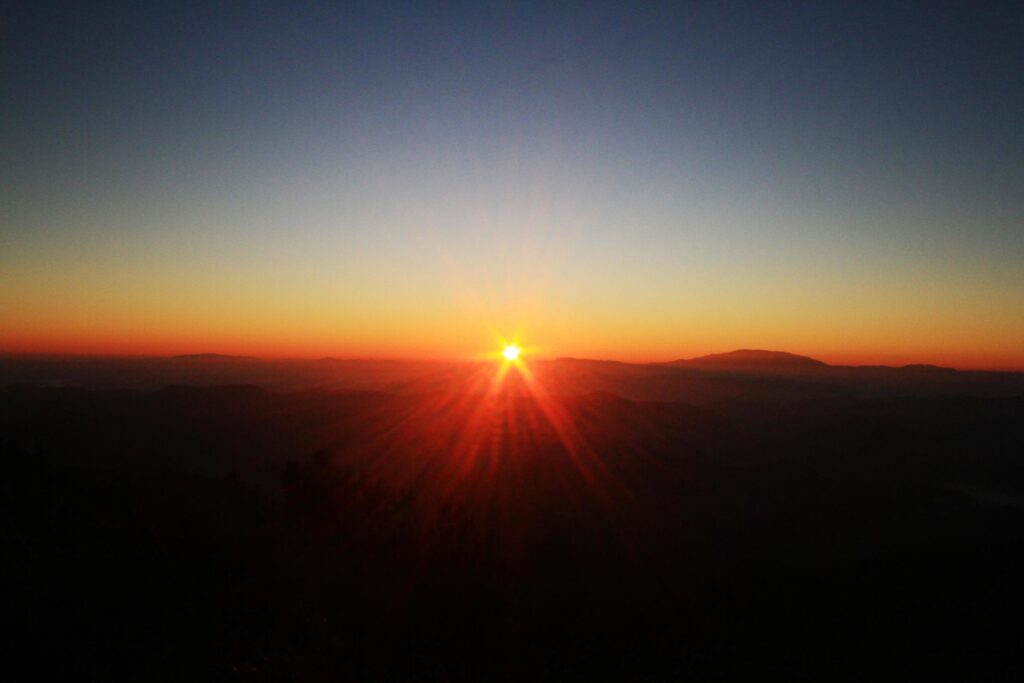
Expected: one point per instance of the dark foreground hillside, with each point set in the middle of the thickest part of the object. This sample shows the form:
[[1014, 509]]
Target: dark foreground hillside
[[237, 534]]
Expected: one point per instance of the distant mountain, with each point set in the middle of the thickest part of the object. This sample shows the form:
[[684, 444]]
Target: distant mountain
[[212, 356], [927, 368], [752, 358]]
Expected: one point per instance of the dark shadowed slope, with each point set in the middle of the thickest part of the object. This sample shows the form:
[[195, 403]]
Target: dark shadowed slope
[[233, 533]]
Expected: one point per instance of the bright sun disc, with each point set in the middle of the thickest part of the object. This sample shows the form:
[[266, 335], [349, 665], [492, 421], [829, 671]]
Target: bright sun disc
[[511, 352]]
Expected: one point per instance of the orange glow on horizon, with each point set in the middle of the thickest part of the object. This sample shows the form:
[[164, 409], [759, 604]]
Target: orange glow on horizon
[[448, 335], [140, 345], [445, 305]]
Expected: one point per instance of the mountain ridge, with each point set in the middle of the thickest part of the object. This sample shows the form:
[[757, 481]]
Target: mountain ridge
[[751, 358]]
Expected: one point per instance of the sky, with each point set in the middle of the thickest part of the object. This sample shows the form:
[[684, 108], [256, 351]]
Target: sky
[[633, 181]]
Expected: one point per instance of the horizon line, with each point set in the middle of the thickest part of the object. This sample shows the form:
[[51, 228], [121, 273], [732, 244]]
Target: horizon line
[[469, 361]]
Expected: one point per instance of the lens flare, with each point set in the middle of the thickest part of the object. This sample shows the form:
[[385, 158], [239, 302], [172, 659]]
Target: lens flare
[[511, 352]]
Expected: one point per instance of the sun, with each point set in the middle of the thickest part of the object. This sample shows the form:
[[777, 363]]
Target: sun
[[511, 352]]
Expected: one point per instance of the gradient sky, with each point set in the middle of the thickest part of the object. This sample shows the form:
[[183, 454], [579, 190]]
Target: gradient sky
[[615, 180]]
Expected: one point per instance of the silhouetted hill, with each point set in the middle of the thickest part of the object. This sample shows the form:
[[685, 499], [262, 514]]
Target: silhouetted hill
[[752, 358], [928, 368], [212, 356]]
